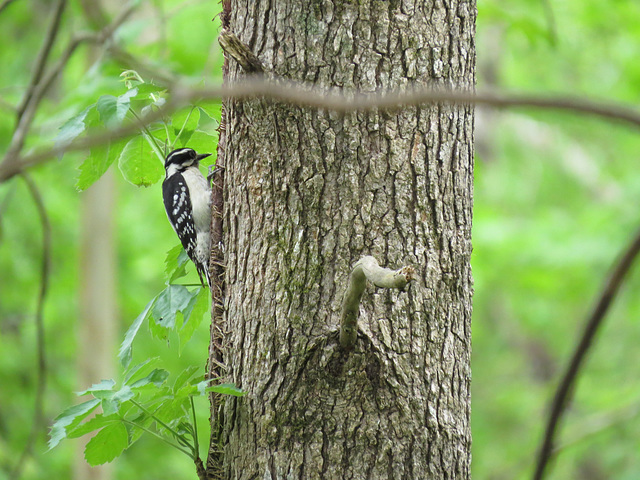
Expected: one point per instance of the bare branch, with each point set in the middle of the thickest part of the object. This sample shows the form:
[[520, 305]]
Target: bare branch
[[43, 57], [26, 119], [565, 387], [367, 268], [237, 50], [601, 423], [5, 4], [41, 370], [8, 106], [309, 96], [146, 69]]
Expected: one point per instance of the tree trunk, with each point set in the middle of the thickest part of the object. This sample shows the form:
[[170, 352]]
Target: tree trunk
[[307, 193], [97, 328]]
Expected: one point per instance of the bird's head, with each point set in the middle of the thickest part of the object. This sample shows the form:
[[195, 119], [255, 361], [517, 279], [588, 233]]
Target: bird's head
[[183, 158]]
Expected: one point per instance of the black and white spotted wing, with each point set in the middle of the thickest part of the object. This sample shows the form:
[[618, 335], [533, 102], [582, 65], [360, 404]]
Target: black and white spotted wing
[[178, 206]]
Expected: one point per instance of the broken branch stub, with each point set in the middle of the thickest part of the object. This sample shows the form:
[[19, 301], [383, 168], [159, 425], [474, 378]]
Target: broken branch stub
[[367, 268]]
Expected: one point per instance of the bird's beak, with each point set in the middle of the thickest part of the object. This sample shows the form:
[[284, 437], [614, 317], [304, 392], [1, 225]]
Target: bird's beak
[[202, 155]]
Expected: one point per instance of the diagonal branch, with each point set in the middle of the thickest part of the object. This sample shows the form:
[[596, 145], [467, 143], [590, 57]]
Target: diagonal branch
[[565, 388], [43, 57], [5, 4], [41, 371], [39, 90]]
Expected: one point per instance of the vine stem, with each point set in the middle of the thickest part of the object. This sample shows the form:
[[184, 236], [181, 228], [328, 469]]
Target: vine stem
[[157, 435], [195, 428], [167, 427], [151, 140]]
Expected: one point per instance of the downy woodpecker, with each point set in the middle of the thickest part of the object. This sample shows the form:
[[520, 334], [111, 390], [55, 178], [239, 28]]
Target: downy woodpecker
[[187, 200]]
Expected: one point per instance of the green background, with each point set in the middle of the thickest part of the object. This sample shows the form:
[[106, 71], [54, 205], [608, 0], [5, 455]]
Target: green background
[[556, 200]]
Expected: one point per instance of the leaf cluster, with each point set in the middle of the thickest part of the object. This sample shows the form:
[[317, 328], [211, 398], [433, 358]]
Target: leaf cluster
[[145, 402], [136, 157]]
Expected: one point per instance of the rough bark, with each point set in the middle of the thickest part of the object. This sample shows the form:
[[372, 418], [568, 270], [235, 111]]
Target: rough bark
[[307, 193], [215, 365]]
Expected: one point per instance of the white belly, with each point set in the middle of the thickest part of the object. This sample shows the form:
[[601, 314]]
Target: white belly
[[201, 203]]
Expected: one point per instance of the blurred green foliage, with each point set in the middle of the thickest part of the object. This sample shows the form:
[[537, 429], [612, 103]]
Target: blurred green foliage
[[164, 31], [556, 200]]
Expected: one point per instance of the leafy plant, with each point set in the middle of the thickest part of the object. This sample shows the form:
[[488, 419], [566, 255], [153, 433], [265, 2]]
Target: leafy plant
[[194, 126], [148, 400], [145, 402]]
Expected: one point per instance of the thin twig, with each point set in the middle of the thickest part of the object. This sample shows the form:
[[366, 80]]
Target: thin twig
[[5, 4], [148, 70], [601, 424], [43, 56], [179, 437], [303, 95], [26, 119], [200, 470], [551, 21], [41, 371], [8, 106], [565, 388], [158, 436]]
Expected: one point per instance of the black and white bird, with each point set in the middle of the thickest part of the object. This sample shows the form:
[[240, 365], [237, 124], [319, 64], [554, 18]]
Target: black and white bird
[[187, 200]]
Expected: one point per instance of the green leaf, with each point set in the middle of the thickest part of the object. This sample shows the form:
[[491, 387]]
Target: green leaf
[[185, 428], [212, 109], [156, 377], [175, 263], [107, 444], [142, 420], [203, 142], [93, 424], [173, 410], [73, 127], [113, 109], [184, 377], [68, 419], [130, 372], [97, 163], [192, 390], [123, 394], [184, 124], [208, 122], [138, 163], [200, 306], [107, 106], [103, 386], [146, 89], [173, 299], [158, 103], [226, 389], [111, 403], [125, 349]]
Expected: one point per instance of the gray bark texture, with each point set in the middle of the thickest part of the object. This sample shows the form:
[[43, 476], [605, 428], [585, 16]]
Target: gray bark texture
[[307, 193]]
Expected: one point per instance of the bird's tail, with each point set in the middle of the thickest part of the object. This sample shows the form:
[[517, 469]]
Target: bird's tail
[[203, 271]]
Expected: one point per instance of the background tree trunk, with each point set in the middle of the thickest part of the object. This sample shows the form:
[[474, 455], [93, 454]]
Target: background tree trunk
[[308, 193], [97, 328]]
